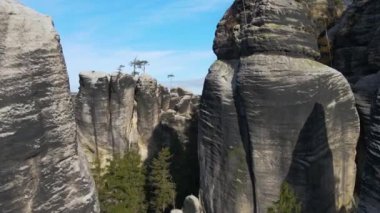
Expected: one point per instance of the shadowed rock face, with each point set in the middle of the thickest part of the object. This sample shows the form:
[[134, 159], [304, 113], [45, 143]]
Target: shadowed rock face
[[42, 169], [356, 42], [269, 113]]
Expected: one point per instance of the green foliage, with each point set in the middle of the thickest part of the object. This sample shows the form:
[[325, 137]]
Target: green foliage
[[160, 182], [288, 202], [122, 186]]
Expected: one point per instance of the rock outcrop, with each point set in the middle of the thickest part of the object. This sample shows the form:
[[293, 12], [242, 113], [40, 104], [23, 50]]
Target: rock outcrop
[[42, 169], [356, 53], [119, 112], [148, 110], [270, 113]]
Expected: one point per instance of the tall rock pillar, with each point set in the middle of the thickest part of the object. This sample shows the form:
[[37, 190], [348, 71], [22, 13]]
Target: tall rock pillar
[[42, 169], [271, 114]]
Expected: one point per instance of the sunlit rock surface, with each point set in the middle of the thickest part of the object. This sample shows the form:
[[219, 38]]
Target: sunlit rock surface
[[118, 112], [42, 169], [269, 113]]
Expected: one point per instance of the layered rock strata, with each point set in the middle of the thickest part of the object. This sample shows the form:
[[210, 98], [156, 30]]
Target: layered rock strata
[[356, 53], [42, 169], [270, 114]]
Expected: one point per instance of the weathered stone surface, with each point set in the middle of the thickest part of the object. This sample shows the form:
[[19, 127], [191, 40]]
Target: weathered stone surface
[[121, 110], [93, 116], [357, 55], [148, 111], [260, 26], [42, 169], [270, 114], [105, 114], [115, 113], [225, 183]]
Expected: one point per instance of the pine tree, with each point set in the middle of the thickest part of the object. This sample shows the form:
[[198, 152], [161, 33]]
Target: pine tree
[[161, 184], [288, 201], [123, 185]]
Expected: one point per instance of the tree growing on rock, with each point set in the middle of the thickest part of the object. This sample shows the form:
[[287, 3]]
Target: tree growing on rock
[[161, 183], [138, 64], [288, 201]]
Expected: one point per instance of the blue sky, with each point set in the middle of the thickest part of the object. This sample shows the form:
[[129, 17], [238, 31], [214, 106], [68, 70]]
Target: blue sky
[[175, 36]]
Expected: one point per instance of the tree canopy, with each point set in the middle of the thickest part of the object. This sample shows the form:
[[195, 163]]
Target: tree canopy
[[122, 186]]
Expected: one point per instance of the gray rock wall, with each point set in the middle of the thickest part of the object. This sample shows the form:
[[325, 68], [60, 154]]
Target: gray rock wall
[[118, 112], [269, 113], [356, 54], [42, 168]]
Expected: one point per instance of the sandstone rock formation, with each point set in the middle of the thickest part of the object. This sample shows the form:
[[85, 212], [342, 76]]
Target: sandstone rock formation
[[356, 53], [269, 113], [93, 117], [148, 111], [118, 112], [42, 169]]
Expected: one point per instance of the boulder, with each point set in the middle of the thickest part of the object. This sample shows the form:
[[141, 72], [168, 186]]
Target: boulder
[[191, 205], [42, 168], [270, 114]]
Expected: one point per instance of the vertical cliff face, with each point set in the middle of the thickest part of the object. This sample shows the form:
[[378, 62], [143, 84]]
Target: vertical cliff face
[[122, 91], [269, 113], [42, 169], [148, 110], [118, 112], [356, 42], [92, 113]]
